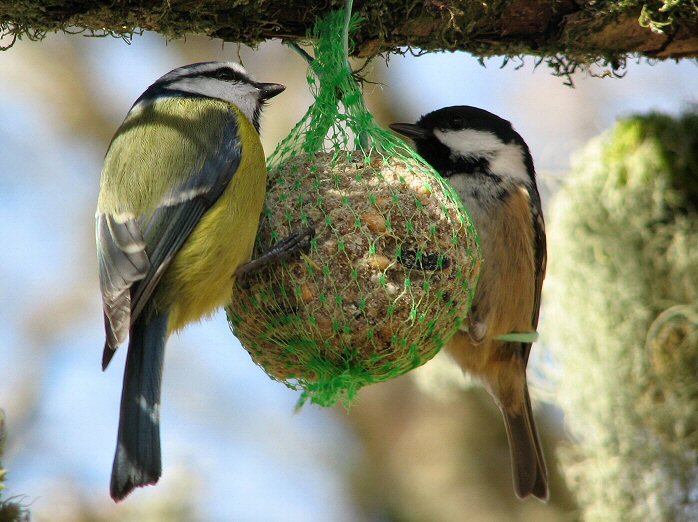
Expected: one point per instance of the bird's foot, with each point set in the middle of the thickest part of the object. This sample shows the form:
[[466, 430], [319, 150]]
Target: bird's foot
[[291, 244]]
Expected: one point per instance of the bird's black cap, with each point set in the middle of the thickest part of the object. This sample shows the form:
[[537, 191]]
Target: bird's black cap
[[454, 119], [459, 117]]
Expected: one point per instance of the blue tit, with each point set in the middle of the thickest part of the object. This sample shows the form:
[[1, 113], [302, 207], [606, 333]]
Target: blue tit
[[182, 190], [491, 168]]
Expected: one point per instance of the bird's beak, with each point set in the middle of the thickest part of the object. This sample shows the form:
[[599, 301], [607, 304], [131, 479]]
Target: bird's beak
[[411, 130], [269, 90]]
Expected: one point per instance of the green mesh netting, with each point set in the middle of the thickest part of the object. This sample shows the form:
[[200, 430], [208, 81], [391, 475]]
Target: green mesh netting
[[392, 268]]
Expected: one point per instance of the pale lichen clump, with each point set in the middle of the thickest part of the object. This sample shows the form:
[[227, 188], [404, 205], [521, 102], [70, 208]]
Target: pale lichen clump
[[621, 305]]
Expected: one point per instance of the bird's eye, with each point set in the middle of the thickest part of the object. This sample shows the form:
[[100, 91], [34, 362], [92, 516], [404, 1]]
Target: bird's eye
[[456, 123], [225, 75]]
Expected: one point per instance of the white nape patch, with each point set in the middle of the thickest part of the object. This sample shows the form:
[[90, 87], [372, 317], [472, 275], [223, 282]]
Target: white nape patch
[[506, 160]]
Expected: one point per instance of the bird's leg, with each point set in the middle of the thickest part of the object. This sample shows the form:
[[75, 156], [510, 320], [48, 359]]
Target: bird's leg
[[291, 244]]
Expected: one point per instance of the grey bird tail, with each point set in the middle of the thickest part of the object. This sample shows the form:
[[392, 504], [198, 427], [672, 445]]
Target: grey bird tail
[[137, 459], [530, 472]]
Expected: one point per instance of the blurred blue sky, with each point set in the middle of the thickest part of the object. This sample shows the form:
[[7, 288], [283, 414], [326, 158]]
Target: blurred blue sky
[[228, 431]]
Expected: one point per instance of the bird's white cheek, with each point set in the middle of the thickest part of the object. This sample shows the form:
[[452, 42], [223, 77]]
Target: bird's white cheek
[[504, 159], [468, 142]]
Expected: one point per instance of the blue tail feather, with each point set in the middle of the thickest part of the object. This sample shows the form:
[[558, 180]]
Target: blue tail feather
[[137, 458]]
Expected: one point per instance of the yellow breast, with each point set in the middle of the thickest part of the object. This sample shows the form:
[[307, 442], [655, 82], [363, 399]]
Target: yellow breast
[[201, 276]]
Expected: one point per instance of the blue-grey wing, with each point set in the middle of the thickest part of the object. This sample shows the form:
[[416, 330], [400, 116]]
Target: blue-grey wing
[[164, 232], [122, 258]]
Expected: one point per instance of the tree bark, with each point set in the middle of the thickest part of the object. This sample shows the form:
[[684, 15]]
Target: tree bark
[[575, 32]]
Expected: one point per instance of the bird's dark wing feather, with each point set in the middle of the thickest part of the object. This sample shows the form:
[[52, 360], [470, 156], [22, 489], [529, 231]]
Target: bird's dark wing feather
[[540, 257], [122, 259], [163, 233]]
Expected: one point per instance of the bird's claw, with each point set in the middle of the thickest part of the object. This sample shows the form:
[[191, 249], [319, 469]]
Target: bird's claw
[[291, 244]]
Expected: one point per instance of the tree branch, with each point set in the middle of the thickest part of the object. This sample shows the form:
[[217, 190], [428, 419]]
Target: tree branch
[[580, 32]]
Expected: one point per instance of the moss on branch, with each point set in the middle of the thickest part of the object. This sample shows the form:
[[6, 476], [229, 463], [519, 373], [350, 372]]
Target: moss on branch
[[606, 30]]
